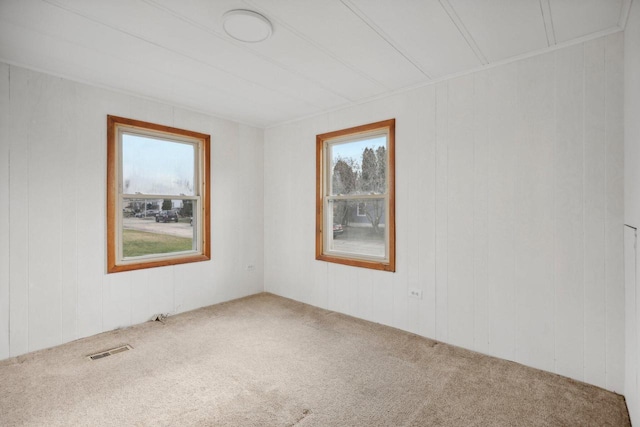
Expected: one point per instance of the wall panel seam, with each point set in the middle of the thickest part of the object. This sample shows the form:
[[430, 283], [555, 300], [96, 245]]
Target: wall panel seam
[[584, 198], [555, 213], [606, 215]]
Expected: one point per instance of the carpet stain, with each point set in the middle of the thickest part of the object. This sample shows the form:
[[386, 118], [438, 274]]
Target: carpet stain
[[305, 413]]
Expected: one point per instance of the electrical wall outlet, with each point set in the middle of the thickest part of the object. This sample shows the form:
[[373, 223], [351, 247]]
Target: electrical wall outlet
[[415, 293]]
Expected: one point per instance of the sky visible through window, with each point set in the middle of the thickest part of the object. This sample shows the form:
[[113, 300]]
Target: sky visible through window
[[354, 149], [156, 166]]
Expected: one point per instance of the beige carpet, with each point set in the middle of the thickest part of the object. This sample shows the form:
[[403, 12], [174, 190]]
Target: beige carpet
[[269, 361]]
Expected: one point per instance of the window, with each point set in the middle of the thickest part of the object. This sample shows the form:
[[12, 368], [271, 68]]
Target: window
[[157, 195], [355, 199]]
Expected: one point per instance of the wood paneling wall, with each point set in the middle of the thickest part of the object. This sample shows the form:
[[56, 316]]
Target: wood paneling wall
[[53, 285], [509, 213]]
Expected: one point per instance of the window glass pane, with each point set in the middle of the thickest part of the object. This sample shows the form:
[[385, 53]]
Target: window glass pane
[[358, 167], [358, 227], [156, 227], [156, 166]]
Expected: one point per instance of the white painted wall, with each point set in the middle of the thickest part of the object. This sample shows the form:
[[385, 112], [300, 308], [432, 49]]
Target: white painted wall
[[632, 205], [509, 213], [53, 286]]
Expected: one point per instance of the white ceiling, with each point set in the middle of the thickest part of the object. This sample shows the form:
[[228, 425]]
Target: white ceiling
[[323, 55]]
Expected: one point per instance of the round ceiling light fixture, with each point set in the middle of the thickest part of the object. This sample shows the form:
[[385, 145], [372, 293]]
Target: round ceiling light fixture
[[247, 26]]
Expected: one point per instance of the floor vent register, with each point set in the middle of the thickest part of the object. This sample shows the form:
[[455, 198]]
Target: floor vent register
[[110, 352]]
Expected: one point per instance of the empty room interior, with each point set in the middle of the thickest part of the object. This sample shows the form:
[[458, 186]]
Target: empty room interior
[[319, 212]]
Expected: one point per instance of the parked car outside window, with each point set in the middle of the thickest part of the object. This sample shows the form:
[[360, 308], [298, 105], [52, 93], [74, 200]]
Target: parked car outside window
[[166, 216]]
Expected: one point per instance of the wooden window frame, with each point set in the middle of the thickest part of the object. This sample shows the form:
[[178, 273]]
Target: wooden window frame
[[202, 191], [321, 189]]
